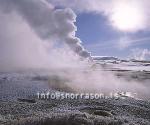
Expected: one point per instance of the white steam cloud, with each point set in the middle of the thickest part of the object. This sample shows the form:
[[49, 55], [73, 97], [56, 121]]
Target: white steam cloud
[[35, 35], [47, 22], [140, 54]]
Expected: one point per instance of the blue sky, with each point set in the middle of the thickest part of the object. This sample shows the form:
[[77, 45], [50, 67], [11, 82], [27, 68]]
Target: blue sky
[[95, 29]]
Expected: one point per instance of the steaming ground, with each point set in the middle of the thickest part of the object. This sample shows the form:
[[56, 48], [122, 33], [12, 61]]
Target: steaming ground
[[20, 105]]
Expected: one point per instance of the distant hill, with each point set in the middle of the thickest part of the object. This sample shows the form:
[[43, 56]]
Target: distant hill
[[105, 58], [111, 58]]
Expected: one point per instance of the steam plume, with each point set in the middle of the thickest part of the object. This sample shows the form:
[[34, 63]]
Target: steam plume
[[47, 22]]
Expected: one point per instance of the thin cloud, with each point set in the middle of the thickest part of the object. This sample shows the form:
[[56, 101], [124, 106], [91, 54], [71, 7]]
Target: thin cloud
[[116, 44]]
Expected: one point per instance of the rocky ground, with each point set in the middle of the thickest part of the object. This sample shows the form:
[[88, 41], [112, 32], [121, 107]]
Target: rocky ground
[[75, 112]]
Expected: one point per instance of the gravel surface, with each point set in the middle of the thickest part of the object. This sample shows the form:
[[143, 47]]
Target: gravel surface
[[20, 106]]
